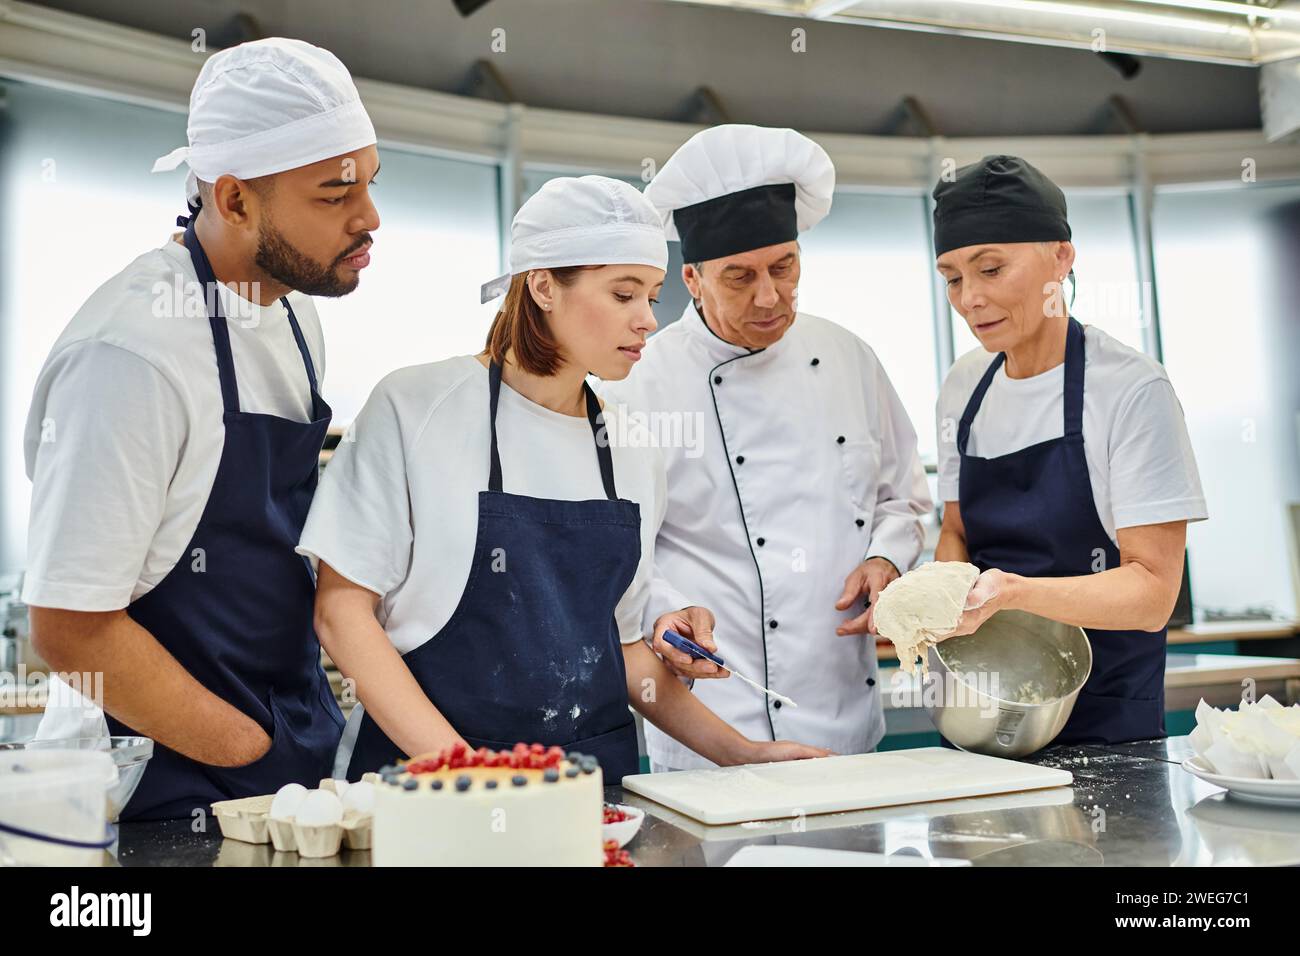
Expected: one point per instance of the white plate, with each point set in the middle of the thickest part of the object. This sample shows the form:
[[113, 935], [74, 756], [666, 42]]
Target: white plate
[[622, 833], [1282, 793]]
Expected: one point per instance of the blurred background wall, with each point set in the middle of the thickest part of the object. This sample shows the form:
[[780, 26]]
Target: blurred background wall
[[1186, 213]]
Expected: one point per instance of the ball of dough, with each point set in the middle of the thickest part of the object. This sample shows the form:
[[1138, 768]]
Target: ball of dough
[[923, 605]]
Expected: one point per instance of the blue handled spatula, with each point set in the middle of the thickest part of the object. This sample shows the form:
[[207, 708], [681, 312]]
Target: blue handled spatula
[[690, 647]]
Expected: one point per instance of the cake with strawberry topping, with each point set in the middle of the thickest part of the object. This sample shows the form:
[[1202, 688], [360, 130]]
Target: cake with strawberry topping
[[528, 806]]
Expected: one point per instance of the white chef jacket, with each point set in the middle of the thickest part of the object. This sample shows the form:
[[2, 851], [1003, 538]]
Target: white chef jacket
[[789, 465]]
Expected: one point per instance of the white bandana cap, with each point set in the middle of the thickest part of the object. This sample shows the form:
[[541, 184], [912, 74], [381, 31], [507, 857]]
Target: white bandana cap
[[266, 106], [582, 221]]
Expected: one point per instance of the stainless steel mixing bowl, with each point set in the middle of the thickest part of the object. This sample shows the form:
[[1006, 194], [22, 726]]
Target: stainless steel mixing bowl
[[1008, 689], [129, 753]]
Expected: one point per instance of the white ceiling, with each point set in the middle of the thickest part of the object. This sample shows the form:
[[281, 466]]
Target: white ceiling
[[1249, 32], [644, 58]]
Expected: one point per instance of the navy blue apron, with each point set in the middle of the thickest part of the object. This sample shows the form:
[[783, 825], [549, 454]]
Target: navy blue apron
[[236, 610], [1032, 512], [531, 653]]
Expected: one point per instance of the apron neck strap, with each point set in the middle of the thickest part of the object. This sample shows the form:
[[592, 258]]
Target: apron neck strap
[[194, 208], [217, 320], [302, 345], [595, 417], [976, 398], [1074, 379], [1073, 403], [600, 433]]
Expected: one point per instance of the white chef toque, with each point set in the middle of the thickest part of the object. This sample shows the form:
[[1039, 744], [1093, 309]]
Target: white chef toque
[[582, 221], [266, 106], [735, 187]]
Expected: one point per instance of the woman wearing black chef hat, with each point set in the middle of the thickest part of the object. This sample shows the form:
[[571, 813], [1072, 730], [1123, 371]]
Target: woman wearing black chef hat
[[1064, 461]]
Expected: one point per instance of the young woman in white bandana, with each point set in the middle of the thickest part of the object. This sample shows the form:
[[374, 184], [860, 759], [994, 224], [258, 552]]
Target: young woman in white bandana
[[485, 546]]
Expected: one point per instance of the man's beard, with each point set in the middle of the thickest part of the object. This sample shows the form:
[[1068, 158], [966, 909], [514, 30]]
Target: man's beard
[[280, 260]]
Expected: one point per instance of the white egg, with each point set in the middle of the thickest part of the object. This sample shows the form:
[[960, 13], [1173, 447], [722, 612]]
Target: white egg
[[360, 797], [286, 802], [319, 808]]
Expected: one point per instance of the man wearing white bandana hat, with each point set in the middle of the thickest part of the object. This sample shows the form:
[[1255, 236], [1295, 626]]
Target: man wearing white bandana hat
[[173, 442], [485, 553], [806, 499]]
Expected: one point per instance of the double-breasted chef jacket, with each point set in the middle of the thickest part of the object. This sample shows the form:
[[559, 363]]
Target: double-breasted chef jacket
[[804, 463]]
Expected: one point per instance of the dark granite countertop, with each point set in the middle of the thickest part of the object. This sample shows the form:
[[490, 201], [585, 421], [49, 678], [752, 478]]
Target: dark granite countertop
[[1130, 805]]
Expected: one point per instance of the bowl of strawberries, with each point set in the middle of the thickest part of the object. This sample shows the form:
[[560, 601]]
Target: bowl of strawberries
[[621, 823]]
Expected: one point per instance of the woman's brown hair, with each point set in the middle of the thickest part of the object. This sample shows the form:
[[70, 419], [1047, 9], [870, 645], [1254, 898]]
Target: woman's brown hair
[[521, 325]]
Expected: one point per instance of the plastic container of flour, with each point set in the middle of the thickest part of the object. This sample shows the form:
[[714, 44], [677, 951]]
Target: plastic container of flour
[[131, 754], [59, 800]]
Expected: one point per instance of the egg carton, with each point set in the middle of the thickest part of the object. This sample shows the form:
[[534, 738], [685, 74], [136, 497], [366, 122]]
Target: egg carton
[[245, 819], [249, 820]]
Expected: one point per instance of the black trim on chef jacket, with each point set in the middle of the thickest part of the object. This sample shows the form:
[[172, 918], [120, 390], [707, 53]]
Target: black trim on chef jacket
[[762, 601], [748, 538]]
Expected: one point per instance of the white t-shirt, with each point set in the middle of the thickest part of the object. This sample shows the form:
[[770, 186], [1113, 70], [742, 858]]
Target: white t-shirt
[[125, 430], [1140, 459], [397, 508]]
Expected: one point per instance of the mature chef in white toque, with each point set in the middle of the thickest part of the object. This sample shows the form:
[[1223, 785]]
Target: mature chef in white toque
[[803, 499]]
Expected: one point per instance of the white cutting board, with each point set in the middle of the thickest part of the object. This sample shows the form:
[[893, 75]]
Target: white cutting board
[[769, 791]]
